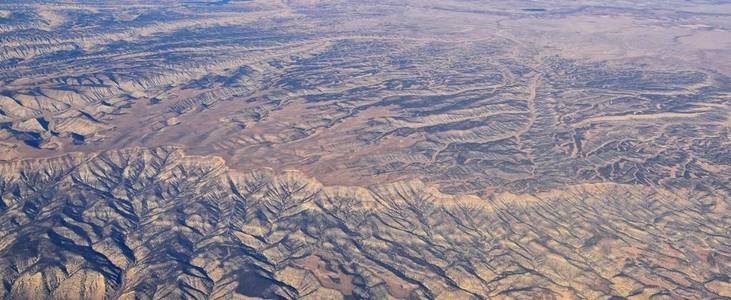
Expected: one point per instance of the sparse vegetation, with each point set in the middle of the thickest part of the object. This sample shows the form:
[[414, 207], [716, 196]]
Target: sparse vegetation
[[364, 149]]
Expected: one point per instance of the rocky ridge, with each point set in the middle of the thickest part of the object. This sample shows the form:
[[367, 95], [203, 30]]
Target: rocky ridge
[[106, 225]]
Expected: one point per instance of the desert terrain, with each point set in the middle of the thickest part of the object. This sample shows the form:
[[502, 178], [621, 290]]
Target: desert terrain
[[380, 149]]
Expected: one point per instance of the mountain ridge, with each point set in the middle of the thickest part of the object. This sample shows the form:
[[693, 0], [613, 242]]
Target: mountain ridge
[[122, 218]]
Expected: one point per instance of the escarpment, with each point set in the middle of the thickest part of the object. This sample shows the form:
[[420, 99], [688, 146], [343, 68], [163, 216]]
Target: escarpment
[[350, 149], [104, 225]]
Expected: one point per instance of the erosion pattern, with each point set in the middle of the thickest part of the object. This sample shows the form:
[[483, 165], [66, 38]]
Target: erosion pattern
[[365, 149], [148, 224]]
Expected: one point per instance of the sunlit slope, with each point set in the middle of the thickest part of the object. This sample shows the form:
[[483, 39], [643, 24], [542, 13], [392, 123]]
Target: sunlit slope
[[156, 223]]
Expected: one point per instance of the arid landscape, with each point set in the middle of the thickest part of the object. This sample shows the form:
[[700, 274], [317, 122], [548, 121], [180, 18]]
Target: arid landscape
[[386, 149]]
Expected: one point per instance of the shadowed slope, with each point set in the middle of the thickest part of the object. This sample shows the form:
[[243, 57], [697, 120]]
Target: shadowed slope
[[155, 223]]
